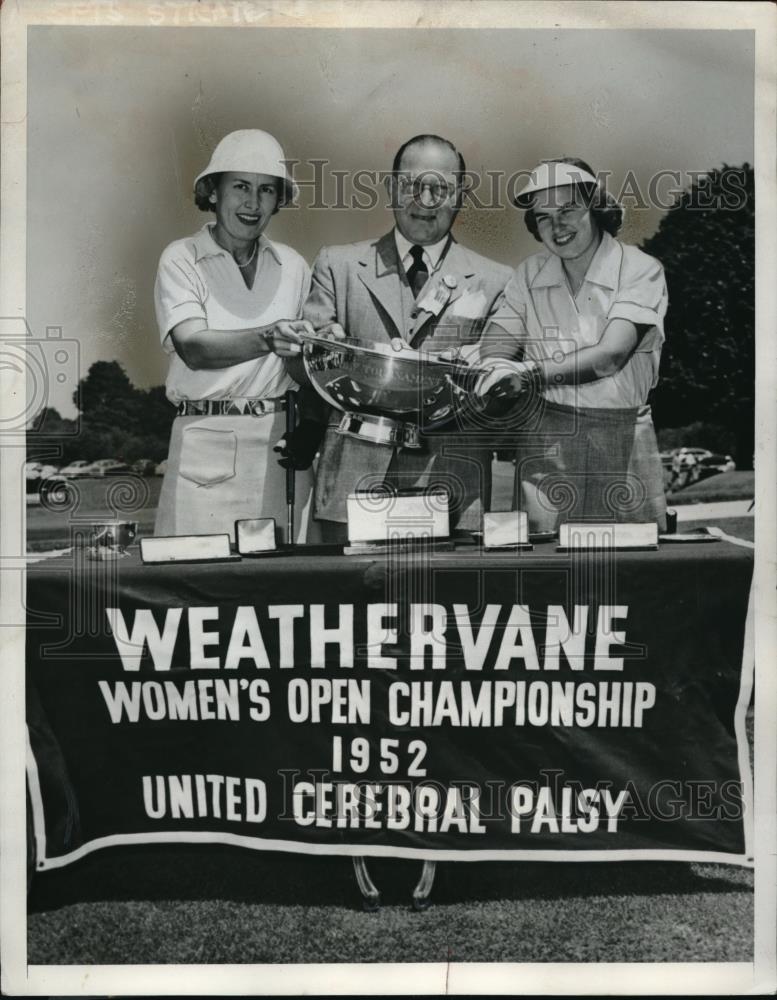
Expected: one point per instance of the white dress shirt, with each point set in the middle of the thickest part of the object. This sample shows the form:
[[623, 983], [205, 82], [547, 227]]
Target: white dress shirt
[[431, 256]]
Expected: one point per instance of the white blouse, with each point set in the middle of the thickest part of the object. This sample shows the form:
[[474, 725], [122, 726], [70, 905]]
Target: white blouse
[[198, 279], [538, 310]]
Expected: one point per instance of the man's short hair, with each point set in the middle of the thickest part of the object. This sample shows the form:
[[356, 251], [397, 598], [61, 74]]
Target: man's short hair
[[419, 140]]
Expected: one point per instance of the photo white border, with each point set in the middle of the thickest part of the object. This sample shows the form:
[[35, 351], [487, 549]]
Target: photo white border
[[567, 978]]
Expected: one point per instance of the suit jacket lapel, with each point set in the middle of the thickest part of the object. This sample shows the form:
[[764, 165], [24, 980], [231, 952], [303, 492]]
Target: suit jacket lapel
[[381, 274]]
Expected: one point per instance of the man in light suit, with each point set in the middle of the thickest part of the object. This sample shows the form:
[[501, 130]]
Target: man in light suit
[[415, 285]]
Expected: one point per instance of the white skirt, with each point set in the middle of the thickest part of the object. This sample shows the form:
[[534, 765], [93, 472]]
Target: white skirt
[[221, 469]]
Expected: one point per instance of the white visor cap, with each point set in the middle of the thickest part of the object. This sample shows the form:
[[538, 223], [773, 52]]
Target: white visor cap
[[251, 151], [552, 175]]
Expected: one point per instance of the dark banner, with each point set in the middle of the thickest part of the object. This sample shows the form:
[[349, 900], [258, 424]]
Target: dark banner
[[460, 705]]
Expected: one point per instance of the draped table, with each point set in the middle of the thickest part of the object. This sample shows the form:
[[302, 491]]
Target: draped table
[[463, 705]]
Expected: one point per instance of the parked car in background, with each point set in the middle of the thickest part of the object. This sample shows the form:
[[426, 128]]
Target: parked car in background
[[712, 463], [667, 456], [144, 467], [38, 470], [698, 453], [689, 465], [685, 467], [76, 470], [35, 474], [161, 469], [108, 467]]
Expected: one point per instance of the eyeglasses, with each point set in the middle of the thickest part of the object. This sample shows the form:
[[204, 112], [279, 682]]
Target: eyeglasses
[[439, 190]]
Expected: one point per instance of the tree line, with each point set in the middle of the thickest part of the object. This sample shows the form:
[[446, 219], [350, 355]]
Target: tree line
[[707, 246], [116, 420]]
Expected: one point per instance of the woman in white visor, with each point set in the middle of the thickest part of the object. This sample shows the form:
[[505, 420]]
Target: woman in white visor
[[575, 342], [227, 305]]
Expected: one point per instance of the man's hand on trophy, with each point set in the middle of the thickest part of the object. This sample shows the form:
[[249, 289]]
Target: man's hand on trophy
[[452, 356], [461, 356]]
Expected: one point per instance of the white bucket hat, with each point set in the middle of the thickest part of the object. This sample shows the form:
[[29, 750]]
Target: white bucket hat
[[254, 152], [552, 174]]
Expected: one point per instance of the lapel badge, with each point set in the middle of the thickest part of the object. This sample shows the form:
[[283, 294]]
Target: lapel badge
[[440, 299], [436, 298], [450, 281]]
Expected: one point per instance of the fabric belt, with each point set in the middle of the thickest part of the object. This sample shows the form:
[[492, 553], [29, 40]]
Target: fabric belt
[[230, 407]]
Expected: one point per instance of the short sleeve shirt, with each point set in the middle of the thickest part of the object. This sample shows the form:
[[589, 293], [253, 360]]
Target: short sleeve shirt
[[198, 279], [538, 310]]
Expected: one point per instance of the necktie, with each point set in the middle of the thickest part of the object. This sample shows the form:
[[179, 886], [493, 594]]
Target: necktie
[[417, 273]]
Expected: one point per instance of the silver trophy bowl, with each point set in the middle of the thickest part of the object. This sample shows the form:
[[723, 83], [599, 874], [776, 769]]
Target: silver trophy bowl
[[387, 396]]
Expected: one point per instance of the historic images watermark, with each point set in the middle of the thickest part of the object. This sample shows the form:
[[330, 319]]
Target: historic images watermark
[[325, 187]]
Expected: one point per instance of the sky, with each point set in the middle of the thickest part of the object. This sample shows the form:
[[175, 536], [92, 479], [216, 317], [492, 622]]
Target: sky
[[120, 121]]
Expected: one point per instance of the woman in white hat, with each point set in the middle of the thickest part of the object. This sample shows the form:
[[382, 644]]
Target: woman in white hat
[[227, 304], [581, 324]]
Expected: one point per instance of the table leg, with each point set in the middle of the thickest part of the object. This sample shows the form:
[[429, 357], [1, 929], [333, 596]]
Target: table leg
[[368, 889], [421, 892]]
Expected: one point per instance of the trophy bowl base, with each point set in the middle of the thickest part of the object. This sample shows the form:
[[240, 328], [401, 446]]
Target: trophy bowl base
[[380, 430]]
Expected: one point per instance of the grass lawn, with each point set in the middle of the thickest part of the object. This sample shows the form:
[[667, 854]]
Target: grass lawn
[[126, 498], [723, 486], [190, 905]]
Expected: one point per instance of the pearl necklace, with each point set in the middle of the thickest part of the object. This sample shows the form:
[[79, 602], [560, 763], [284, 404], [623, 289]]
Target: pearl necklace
[[253, 254]]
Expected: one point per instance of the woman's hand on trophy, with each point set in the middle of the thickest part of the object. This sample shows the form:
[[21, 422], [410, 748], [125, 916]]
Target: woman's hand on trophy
[[286, 336], [506, 379]]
